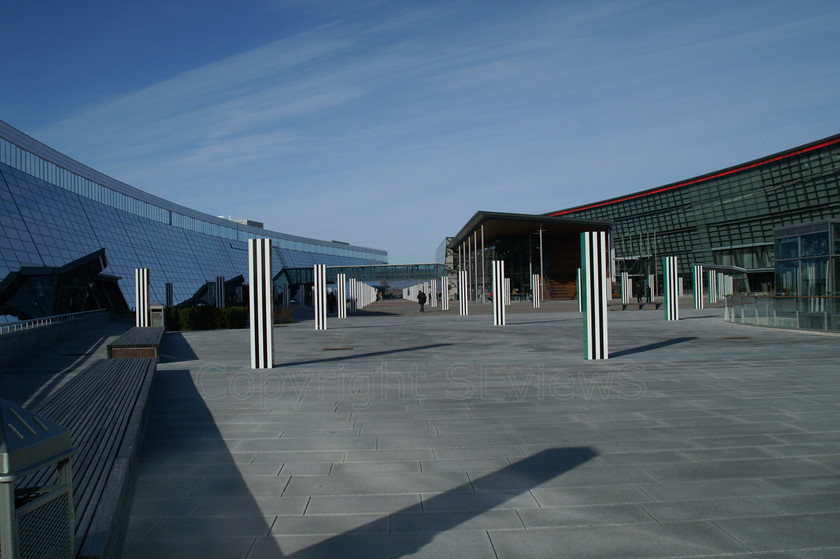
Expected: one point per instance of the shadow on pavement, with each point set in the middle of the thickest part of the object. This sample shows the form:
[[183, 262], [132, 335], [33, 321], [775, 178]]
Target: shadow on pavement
[[360, 355], [182, 433], [360, 542], [650, 347], [175, 348]]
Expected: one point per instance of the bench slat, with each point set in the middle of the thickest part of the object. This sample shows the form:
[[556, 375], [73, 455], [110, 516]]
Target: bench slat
[[104, 407]]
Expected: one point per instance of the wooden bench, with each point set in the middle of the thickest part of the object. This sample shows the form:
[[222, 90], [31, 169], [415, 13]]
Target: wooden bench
[[105, 408], [137, 342]]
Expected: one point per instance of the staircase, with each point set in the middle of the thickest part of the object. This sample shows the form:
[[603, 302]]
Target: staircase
[[558, 291]]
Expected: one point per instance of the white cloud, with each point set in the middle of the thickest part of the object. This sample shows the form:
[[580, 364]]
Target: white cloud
[[333, 132]]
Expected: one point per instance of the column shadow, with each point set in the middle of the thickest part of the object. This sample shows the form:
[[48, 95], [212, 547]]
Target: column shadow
[[650, 347], [360, 355], [499, 487]]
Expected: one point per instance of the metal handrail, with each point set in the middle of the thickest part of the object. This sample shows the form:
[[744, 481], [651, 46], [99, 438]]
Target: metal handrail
[[807, 312], [45, 321]]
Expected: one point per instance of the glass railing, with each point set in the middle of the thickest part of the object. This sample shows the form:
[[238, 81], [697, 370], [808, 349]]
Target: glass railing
[[785, 311], [46, 321]]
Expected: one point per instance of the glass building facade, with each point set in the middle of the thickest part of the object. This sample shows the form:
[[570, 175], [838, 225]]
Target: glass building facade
[[725, 218], [54, 210], [808, 259]]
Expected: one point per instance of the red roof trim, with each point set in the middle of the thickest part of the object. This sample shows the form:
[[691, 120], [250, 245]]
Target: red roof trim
[[701, 179]]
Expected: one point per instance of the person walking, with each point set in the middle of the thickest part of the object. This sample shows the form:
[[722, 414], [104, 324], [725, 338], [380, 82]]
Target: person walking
[[421, 298]]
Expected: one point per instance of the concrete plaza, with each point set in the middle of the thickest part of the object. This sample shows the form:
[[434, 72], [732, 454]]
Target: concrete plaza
[[396, 434]]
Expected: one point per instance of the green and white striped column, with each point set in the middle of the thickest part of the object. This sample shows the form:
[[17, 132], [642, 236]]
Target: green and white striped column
[[713, 289], [672, 308], [698, 287], [626, 288]]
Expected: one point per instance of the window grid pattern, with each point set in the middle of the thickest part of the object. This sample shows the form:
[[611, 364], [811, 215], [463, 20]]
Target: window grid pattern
[[44, 225], [728, 219], [34, 165]]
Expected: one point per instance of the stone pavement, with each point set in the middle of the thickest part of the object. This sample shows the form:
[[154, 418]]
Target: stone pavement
[[396, 434]]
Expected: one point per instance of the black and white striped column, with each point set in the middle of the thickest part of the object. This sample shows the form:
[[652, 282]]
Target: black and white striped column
[[444, 293], [433, 293], [672, 307], [352, 295], [319, 295], [462, 292], [220, 292], [260, 303], [507, 291], [594, 280], [698, 287], [626, 288], [341, 296], [142, 308], [713, 287], [498, 287], [680, 288], [170, 296], [652, 285]]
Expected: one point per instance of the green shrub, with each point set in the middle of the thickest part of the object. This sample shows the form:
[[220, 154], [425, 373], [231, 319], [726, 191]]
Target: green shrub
[[206, 318], [232, 317]]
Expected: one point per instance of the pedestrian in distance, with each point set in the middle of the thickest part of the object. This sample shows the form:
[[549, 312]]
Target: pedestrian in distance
[[421, 298]]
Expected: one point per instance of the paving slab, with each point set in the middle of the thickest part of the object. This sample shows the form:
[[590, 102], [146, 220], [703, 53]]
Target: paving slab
[[441, 436]]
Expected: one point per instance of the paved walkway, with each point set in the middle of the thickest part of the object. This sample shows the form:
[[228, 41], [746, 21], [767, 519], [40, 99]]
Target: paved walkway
[[399, 434]]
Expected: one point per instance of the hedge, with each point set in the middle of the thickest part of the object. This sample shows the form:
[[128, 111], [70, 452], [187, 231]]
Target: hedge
[[206, 318]]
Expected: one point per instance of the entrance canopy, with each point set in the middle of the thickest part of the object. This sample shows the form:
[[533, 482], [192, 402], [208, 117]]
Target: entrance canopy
[[501, 224], [528, 244]]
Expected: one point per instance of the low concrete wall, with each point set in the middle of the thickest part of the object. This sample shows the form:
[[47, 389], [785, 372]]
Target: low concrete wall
[[23, 343]]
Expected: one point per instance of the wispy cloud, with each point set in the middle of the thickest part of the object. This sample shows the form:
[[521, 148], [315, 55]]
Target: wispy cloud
[[409, 119]]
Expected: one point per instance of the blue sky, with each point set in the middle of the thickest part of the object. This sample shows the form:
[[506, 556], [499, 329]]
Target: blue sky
[[388, 124]]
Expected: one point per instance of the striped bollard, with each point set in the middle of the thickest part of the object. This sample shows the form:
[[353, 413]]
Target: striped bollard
[[680, 288], [319, 295], [142, 309], [498, 286], [220, 292], [698, 287], [594, 280], [672, 307], [433, 293], [626, 288], [652, 285], [462, 293], [536, 292], [713, 290], [261, 305], [507, 291], [170, 296], [341, 295], [720, 285], [444, 293], [352, 295]]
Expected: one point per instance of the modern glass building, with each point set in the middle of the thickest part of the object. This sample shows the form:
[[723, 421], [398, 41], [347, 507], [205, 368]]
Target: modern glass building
[[55, 212], [725, 218], [808, 259]]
